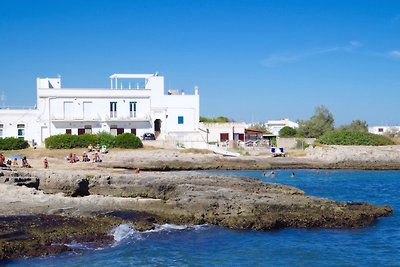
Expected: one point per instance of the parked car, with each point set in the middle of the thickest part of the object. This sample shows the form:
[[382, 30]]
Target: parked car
[[149, 136]]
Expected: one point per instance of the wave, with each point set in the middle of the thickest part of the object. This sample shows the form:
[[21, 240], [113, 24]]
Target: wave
[[125, 231]]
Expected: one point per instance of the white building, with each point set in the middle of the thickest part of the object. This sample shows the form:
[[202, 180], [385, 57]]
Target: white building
[[274, 126], [122, 108], [215, 133], [395, 130]]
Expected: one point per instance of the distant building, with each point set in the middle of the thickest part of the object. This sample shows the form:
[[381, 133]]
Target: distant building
[[384, 129], [274, 126], [122, 108], [222, 132]]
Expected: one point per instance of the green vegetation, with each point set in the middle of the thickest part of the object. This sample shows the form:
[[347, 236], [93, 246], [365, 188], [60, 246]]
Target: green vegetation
[[259, 126], [105, 139], [341, 137], [68, 141], [320, 123], [287, 132], [127, 140], [12, 143], [214, 120], [355, 126]]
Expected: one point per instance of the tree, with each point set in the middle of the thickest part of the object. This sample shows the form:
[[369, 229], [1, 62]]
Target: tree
[[287, 132], [214, 120], [356, 126], [259, 126], [321, 122]]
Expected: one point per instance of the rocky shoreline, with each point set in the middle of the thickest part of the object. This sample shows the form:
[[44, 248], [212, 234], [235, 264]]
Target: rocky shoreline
[[44, 210]]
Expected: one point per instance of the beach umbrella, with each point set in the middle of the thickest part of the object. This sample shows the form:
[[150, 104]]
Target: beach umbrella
[[15, 156]]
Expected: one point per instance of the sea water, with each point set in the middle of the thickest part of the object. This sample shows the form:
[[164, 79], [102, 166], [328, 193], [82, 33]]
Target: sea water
[[207, 245]]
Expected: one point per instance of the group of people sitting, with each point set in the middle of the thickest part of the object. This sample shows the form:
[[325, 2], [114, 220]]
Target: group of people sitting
[[103, 149], [13, 162], [73, 157]]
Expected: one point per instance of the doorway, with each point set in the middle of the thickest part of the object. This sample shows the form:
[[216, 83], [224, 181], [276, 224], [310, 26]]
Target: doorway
[[157, 127]]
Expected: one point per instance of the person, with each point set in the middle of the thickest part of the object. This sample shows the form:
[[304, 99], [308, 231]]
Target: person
[[264, 173], [97, 157], [25, 163], [85, 157], [90, 148], [293, 175], [75, 157], [272, 174], [137, 170], [2, 159], [45, 163], [97, 148], [15, 163]]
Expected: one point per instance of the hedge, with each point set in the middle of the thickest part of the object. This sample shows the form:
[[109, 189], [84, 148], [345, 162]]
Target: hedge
[[67, 141], [127, 140], [12, 143], [340, 137]]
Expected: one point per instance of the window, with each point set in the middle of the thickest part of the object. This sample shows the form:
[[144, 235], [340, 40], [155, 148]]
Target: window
[[113, 130], [113, 109], [180, 119], [88, 129], [380, 130], [132, 109], [224, 137], [68, 131], [1, 130], [81, 131], [133, 131], [21, 131]]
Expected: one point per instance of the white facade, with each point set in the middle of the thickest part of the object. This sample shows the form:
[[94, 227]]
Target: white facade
[[122, 108], [394, 130], [221, 132], [274, 126]]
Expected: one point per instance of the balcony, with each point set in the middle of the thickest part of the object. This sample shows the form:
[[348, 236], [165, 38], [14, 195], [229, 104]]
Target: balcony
[[76, 118], [120, 118]]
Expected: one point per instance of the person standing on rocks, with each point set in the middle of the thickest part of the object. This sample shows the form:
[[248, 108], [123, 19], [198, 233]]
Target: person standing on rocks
[[45, 163]]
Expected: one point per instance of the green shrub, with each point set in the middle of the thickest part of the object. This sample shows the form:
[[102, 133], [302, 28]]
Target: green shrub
[[12, 143], [61, 141], [287, 132], [85, 140], [104, 138], [340, 137], [127, 140]]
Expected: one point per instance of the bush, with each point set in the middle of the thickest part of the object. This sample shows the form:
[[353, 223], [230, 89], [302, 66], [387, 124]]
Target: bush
[[338, 137], [12, 143], [85, 140], [127, 140], [68, 141], [287, 132], [104, 138], [61, 141]]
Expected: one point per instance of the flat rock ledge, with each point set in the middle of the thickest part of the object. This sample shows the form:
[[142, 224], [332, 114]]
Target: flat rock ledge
[[165, 197]]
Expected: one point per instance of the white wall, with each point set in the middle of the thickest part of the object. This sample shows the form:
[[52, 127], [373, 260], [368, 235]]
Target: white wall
[[215, 129], [59, 109], [27, 117]]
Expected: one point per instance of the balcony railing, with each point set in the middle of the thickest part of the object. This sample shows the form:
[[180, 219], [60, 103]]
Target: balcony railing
[[80, 117]]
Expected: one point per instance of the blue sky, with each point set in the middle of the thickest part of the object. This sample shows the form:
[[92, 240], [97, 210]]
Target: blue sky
[[252, 60]]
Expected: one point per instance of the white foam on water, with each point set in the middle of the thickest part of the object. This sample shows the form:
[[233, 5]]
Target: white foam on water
[[174, 227], [123, 231]]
